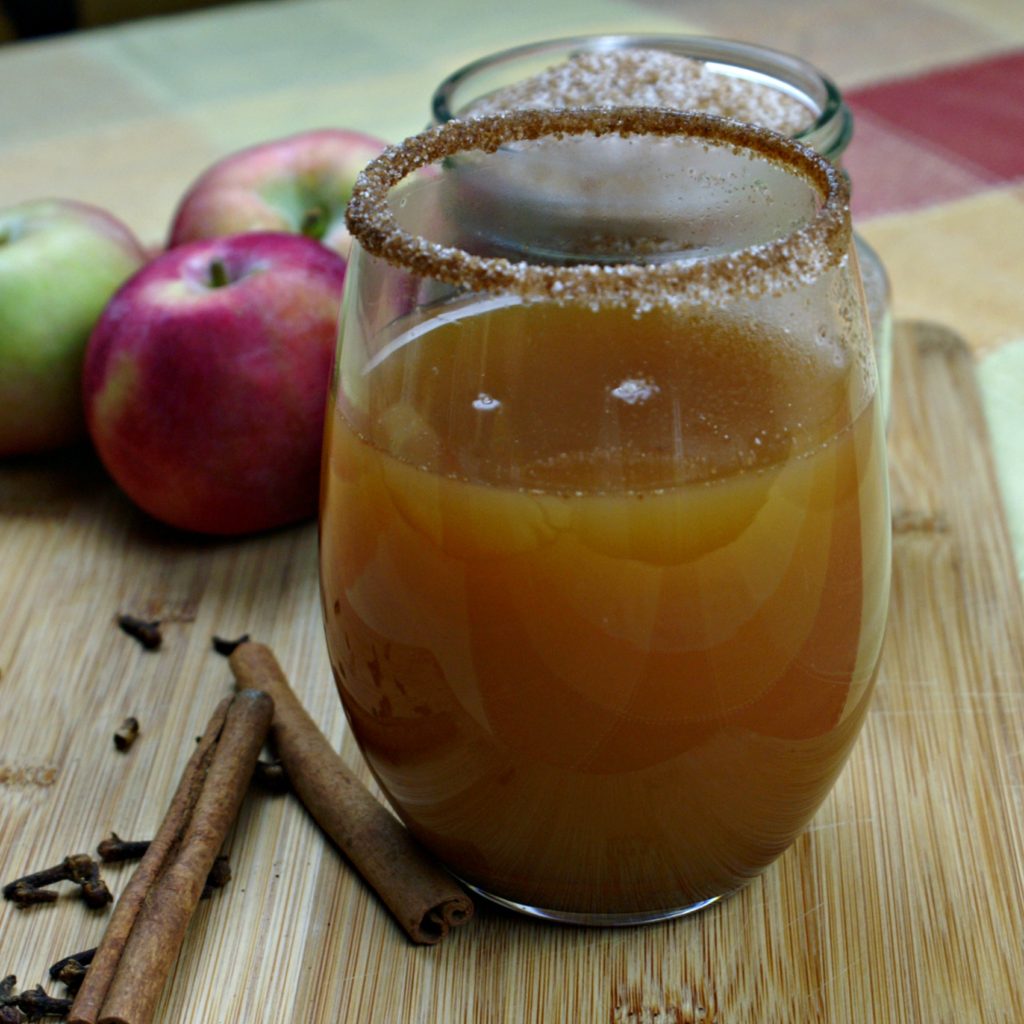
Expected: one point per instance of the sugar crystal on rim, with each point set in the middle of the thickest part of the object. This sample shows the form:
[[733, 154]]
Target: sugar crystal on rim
[[765, 268]]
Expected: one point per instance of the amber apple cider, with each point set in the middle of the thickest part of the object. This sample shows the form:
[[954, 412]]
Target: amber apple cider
[[604, 592]]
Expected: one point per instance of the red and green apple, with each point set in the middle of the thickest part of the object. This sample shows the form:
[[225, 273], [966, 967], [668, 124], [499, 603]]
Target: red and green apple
[[205, 381], [299, 184]]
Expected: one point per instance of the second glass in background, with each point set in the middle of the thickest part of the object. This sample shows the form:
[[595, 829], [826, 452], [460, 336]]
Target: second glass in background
[[733, 79]]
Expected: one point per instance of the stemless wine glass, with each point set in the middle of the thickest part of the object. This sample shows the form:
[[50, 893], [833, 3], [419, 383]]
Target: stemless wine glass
[[604, 525]]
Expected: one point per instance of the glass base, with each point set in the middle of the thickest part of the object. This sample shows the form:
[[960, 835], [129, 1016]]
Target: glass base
[[596, 920]]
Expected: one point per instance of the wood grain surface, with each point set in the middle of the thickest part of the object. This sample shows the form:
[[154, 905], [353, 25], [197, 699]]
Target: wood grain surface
[[903, 902]]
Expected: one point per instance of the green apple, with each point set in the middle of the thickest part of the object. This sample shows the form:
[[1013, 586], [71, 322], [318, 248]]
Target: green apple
[[60, 262]]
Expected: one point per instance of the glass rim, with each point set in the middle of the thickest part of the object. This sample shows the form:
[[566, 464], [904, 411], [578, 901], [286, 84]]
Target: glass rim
[[799, 257], [829, 132]]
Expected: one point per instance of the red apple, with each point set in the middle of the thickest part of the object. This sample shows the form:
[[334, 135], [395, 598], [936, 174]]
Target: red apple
[[300, 184], [205, 381], [60, 261]]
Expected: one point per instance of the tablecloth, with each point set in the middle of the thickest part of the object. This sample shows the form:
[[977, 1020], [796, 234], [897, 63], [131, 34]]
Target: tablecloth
[[936, 86]]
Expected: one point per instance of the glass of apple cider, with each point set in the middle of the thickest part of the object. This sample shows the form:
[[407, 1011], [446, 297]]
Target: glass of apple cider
[[604, 527]]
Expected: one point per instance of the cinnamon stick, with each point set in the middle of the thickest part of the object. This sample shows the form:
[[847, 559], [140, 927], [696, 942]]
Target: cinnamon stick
[[148, 922], [423, 898]]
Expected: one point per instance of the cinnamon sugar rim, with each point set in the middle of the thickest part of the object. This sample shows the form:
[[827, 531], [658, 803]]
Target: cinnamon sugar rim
[[798, 258]]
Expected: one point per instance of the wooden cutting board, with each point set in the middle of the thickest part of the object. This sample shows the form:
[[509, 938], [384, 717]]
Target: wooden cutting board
[[903, 902]]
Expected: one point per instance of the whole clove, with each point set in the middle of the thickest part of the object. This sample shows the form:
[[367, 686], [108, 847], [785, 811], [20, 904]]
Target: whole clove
[[272, 776], [79, 868], [127, 733], [9, 1011], [36, 1003], [36, 879], [23, 894], [114, 848], [85, 873], [72, 975], [70, 970], [146, 631], [226, 647], [219, 876]]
